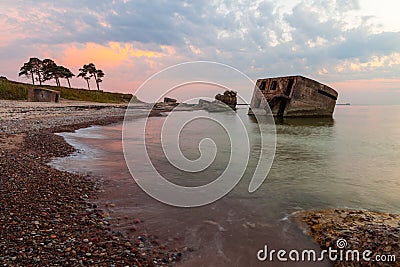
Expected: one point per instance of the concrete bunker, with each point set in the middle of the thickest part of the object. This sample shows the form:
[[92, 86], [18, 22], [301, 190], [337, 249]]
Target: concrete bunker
[[43, 95], [293, 96]]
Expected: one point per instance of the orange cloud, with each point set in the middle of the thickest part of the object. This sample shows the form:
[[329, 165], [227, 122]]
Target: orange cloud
[[110, 55], [126, 65]]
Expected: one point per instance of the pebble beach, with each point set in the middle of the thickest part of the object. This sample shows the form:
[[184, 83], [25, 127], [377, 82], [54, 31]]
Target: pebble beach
[[48, 217]]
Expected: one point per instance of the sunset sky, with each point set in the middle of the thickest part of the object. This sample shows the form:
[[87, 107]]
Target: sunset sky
[[351, 45]]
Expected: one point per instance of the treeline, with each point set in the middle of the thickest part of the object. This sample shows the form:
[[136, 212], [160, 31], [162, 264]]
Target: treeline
[[41, 71]]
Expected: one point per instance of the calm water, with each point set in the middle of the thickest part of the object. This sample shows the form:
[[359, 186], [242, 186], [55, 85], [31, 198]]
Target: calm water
[[349, 161]]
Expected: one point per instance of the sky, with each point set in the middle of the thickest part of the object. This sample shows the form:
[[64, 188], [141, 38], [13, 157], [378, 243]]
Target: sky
[[350, 45]]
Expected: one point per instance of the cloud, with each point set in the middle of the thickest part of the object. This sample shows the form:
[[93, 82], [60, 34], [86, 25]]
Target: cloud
[[326, 40], [112, 54]]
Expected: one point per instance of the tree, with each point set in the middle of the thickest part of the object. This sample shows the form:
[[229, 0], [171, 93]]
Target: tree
[[100, 76], [27, 70], [50, 71], [66, 74], [31, 68], [84, 73], [87, 78], [37, 68], [88, 71]]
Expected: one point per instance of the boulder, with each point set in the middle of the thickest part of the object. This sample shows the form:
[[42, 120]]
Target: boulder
[[229, 98]]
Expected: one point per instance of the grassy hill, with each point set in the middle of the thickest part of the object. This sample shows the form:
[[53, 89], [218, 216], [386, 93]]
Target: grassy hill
[[11, 90]]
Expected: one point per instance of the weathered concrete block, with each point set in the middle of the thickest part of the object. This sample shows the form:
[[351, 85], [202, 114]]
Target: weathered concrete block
[[43, 95], [293, 96]]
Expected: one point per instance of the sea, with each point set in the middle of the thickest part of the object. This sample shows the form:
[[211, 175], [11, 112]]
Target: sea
[[348, 161]]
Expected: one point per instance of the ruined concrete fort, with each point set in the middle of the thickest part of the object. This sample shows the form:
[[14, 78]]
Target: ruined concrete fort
[[293, 96]]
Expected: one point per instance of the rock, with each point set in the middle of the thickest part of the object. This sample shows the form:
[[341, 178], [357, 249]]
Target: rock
[[251, 225], [105, 215], [215, 106], [387, 249], [229, 98], [363, 230]]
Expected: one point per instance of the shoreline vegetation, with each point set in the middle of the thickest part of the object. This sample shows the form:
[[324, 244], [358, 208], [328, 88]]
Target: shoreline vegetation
[[48, 217], [11, 90]]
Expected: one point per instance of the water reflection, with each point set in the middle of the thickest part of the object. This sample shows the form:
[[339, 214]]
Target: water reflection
[[310, 122]]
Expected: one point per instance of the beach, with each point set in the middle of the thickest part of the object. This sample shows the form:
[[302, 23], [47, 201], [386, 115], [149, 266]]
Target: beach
[[47, 216], [21, 116]]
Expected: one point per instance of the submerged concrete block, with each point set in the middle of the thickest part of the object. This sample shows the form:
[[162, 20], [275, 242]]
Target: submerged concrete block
[[293, 96]]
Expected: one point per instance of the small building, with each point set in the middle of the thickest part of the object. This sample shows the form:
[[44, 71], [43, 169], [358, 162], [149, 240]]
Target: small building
[[43, 95], [293, 96]]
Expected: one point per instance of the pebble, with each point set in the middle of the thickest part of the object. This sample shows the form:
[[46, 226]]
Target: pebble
[[388, 249], [51, 213]]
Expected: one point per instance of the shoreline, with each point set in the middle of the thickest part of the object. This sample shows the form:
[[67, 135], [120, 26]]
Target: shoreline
[[362, 230], [21, 116], [48, 216]]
